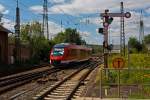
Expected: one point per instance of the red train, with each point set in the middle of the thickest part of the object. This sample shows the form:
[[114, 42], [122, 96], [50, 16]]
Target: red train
[[66, 53]]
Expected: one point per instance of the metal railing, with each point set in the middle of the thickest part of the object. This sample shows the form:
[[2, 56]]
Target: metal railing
[[124, 83]]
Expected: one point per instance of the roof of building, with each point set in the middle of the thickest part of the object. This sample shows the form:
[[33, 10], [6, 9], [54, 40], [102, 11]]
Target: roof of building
[[3, 29]]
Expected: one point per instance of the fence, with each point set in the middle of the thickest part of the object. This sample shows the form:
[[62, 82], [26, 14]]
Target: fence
[[124, 83]]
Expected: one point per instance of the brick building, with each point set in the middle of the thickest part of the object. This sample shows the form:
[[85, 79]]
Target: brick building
[[25, 52], [6, 49], [4, 45]]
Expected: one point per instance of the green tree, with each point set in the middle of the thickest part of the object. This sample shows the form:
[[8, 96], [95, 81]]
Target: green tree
[[39, 46], [30, 30], [11, 38], [147, 39], [133, 42], [69, 36], [135, 45], [60, 37], [25, 32]]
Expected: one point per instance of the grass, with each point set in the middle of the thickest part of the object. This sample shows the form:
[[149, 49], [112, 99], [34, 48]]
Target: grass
[[136, 60], [139, 77]]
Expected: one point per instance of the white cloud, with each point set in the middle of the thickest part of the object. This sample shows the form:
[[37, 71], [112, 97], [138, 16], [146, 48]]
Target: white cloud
[[54, 29], [148, 10], [6, 12], [3, 10], [92, 20], [84, 33], [89, 6], [9, 24], [36, 9], [131, 4], [76, 7], [132, 27], [57, 1]]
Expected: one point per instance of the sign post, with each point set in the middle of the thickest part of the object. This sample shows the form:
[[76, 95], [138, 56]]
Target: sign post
[[118, 63], [107, 19]]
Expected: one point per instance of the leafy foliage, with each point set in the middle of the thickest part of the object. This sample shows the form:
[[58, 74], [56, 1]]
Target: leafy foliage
[[147, 39], [135, 45], [69, 36], [31, 34], [39, 46]]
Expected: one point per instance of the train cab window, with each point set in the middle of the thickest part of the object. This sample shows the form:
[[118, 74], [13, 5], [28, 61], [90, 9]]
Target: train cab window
[[58, 52]]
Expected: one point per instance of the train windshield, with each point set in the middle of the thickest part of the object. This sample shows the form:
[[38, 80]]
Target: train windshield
[[58, 52]]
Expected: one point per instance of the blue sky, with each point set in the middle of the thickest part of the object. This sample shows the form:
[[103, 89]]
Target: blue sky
[[80, 14]]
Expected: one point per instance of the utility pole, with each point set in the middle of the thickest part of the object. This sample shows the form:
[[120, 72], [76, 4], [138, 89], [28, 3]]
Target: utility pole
[[17, 51], [141, 31], [1, 15], [107, 20], [105, 43], [122, 33], [61, 25], [45, 20]]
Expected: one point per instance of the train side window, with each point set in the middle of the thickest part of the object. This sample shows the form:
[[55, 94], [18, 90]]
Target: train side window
[[73, 52]]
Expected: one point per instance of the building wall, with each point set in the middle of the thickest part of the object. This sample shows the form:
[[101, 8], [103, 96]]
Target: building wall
[[3, 47], [25, 53], [6, 50]]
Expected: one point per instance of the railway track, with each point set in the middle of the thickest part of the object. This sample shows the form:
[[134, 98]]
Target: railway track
[[17, 75], [65, 89], [13, 82]]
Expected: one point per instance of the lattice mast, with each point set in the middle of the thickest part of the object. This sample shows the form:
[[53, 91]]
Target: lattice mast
[[122, 33], [17, 50], [141, 30], [45, 20]]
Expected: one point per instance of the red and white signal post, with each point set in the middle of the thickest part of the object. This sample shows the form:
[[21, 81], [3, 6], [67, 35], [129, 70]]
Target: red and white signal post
[[107, 20]]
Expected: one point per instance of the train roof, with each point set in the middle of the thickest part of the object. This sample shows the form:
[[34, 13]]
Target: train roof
[[71, 45], [61, 45]]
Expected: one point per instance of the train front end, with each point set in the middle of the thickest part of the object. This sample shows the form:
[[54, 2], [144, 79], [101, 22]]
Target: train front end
[[57, 55]]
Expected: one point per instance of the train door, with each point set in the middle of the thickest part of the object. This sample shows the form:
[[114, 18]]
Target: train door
[[78, 54]]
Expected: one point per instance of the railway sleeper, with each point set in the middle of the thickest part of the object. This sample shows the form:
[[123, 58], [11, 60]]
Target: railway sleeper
[[47, 98], [64, 89], [55, 93], [69, 86], [56, 96], [76, 96], [78, 92]]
